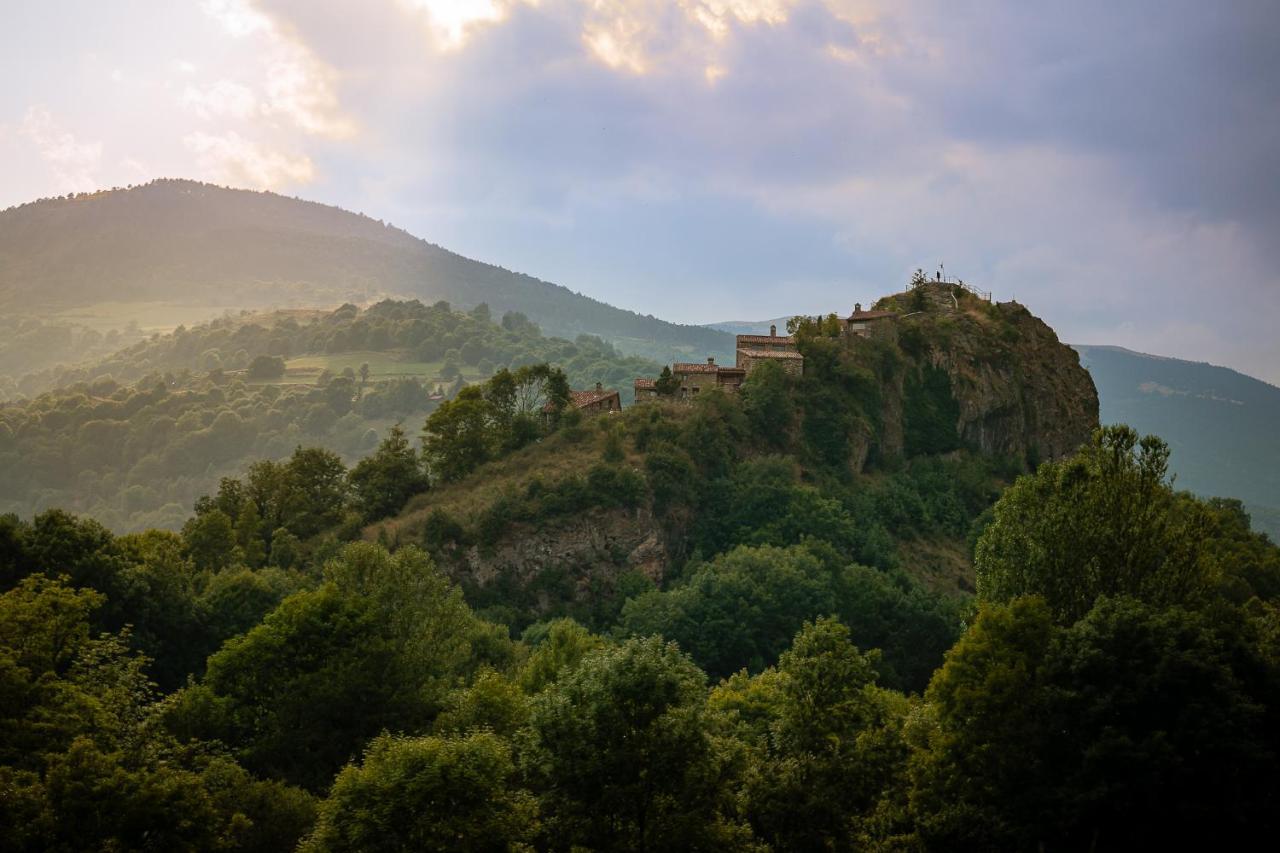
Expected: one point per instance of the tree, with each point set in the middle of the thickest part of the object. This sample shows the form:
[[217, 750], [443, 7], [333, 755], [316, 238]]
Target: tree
[[210, 538], [1135, 726], [429, 794], [766, 400], [456, 438], [1104, 522], [619, 752], [383, 482], [377, 646], [266, 367], [835, 745], [666, 384]]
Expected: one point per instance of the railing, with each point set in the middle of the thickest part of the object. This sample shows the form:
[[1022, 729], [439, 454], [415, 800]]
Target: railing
[[981, 294]]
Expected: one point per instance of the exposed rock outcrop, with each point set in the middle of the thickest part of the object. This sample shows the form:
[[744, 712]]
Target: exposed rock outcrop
[[1017, 390]]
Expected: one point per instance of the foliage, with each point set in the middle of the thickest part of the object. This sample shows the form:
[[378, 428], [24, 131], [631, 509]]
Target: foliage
[[1102, 523], [429, 794], [383, 482], [618, 754]]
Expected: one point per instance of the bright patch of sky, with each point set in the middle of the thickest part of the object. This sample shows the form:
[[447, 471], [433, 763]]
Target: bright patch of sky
[[1112, 166]]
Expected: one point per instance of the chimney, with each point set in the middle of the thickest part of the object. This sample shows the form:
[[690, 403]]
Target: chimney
[[773, 331], [599, 387], [857, 307], [711, 360]]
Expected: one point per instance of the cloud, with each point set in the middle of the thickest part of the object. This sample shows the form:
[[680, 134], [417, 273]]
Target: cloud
[[294, 85], [74, 164], [224, 99], [231, 159]]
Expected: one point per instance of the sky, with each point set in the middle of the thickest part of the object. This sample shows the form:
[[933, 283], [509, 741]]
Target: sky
[[1113, 166]]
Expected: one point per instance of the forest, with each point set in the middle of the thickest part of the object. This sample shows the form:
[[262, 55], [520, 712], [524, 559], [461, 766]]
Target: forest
[[135, 437], [307, 663]]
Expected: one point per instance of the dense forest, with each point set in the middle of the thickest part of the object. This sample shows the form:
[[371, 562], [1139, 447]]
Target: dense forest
[[314, 661], [135, 437]]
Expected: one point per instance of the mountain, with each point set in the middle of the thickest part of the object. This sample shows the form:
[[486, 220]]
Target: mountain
[[1220, 424], [750, 327], [200, 249]]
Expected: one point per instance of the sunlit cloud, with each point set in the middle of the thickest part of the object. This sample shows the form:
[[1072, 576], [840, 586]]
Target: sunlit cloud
[[232, 159], [294, 84], [73, 163]]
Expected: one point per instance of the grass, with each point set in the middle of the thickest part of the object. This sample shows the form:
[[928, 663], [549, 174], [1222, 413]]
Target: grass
[[382, 366]]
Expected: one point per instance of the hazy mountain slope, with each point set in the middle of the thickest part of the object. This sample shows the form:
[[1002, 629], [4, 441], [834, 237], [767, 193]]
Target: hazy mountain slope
[[200, 245], [750, 327], [1223, 426]]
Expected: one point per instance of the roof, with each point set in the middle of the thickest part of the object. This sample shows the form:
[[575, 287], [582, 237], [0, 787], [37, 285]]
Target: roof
[[871, 315], [645, 383], [694, 367], [724, 370], [582, 399], [786, 340], [764, 353]]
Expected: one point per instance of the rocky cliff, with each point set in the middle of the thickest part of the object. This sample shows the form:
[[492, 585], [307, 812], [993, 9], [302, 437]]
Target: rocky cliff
[[1000, 372]]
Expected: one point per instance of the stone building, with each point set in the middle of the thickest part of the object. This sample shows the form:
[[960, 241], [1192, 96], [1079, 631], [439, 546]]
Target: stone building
[[756, 349], [864, 323], [696, 377], [599, 401], [646, 389]]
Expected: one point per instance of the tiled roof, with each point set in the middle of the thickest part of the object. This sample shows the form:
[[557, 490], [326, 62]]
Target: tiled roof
[[645, 383], [764, 353], [723, 370], [582, 399], [766, 339], [694, 367], [871, 315]]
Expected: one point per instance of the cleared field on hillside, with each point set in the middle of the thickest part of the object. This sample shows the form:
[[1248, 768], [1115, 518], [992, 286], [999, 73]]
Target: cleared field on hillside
[[382, 366]]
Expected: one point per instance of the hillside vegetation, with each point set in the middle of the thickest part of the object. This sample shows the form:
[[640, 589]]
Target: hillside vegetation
[[136, 437], [786, 687], [198, 249]]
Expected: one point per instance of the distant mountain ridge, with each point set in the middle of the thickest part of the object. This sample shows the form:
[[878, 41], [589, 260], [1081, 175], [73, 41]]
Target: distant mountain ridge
[[189, 243], [1222, 426]]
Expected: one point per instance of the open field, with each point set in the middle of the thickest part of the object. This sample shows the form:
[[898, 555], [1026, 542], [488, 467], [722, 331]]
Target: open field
[[382, 366]]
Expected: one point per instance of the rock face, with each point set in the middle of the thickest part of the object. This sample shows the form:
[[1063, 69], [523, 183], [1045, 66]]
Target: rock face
[[1017, 390], [576, 558]]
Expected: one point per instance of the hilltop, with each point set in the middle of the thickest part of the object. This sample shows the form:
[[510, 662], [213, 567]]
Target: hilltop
[[186, 251], [891, 445]]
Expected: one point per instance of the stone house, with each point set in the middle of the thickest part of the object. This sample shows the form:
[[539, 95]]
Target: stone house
[[646, 389], [599, 401], [863, 323], [756, 349], [696, 377]]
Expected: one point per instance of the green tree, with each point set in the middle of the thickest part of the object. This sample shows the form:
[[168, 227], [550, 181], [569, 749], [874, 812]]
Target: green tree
[[377, 646], [1102, 523], [383, 482], [210, 538], [666, 384], [266, 367], [619, 751], [766, 400], [1135, 726], [429, 794], [456, 438]]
